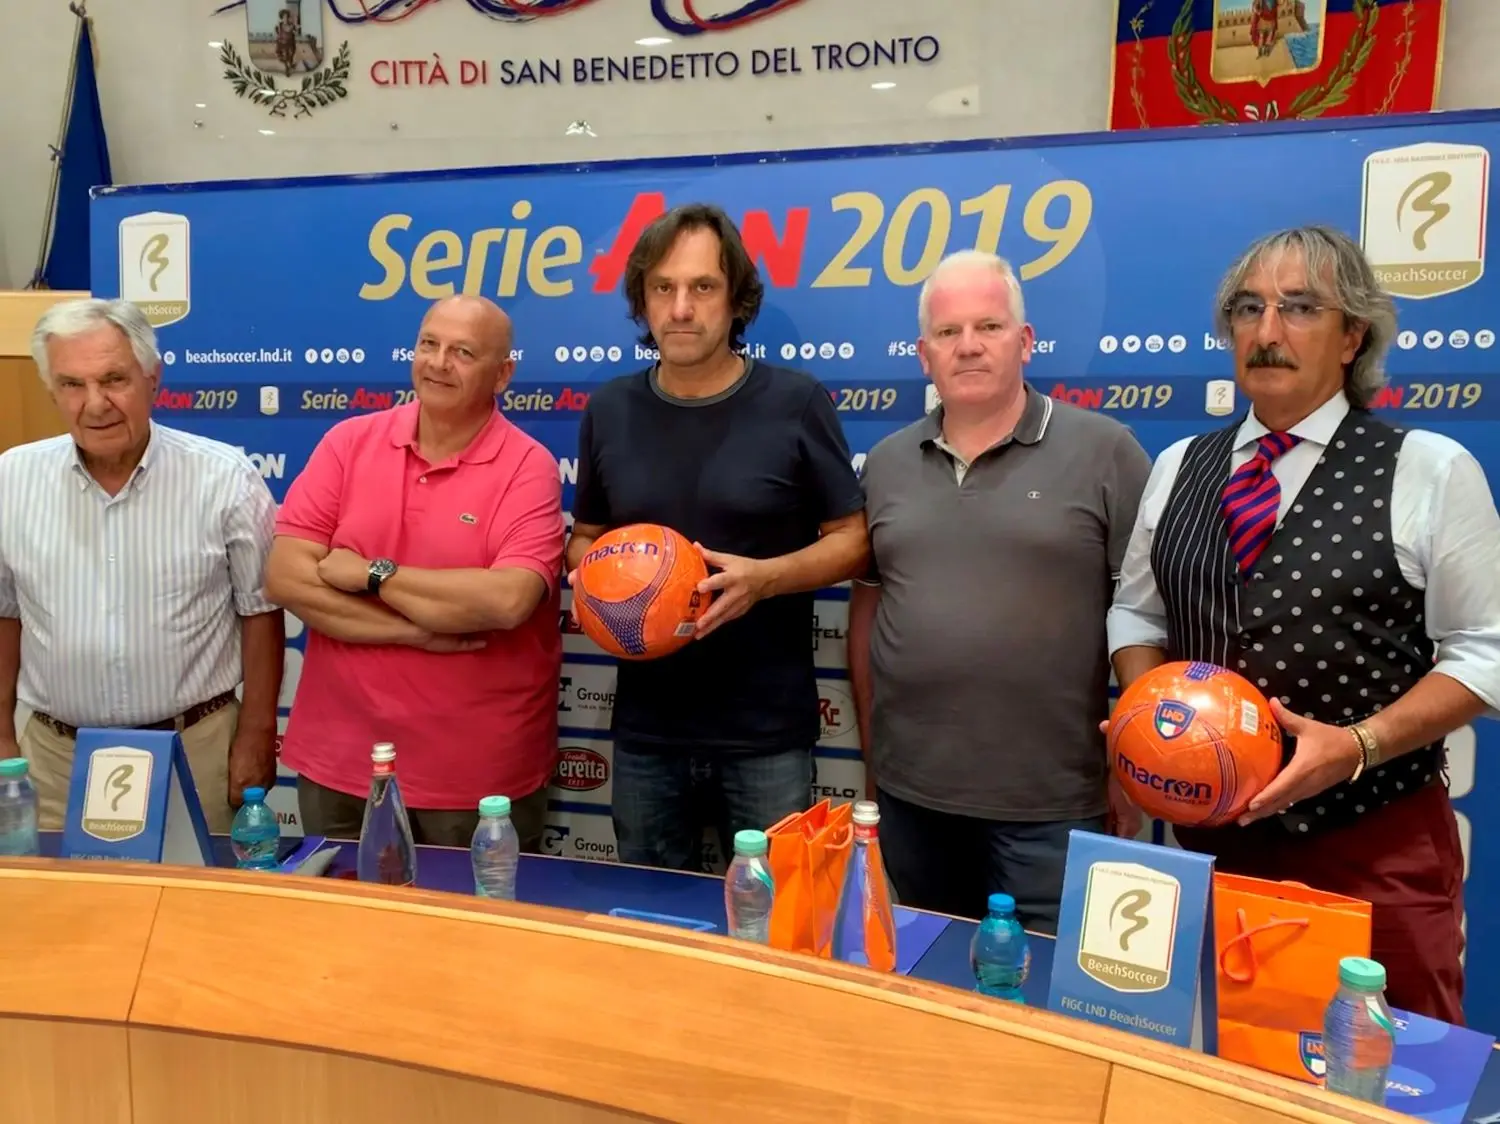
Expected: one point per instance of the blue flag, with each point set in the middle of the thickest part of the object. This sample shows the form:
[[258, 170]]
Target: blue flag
[[85, 164]]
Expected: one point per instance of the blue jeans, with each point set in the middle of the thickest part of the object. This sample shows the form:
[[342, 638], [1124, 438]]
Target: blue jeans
[[664, 800], [952, 864]]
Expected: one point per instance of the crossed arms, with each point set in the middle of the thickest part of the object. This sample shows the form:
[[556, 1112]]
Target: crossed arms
[[440, 610], [432, 609]]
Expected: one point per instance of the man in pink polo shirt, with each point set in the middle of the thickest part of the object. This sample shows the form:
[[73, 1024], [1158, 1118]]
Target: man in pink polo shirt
[[422, 546]]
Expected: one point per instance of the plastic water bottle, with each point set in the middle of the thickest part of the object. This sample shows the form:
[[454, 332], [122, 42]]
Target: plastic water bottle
[[749, 889], [18, 830], [387, 852], [495, 850], [1000, 953], [1359, 1033], [255, 833], [864, 928]]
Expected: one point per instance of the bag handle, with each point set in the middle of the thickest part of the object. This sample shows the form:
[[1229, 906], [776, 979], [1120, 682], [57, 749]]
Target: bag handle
[[1247, 935]]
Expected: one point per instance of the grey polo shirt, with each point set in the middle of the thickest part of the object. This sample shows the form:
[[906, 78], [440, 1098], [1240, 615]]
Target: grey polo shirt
[[988, 656]]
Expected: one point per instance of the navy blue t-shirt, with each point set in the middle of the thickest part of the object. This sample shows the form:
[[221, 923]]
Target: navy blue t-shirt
[[751, 471]]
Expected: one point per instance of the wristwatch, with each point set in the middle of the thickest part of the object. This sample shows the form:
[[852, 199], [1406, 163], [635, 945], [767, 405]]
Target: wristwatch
[[380, 569]]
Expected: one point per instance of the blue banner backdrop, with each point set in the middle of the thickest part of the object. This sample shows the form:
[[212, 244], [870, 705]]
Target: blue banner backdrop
[[285, 305]]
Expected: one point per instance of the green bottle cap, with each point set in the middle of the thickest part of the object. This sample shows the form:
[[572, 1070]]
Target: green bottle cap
[[1362, 973], [495, 806], [751, 843]]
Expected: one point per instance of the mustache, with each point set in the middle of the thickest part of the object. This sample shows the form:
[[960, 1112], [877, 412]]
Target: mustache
[[1269, 357]]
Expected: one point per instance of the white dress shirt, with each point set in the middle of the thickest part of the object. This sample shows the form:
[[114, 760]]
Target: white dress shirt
[[1445, 531], [130, 604]]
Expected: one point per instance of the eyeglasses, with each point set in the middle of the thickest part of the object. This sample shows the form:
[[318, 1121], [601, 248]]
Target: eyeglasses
[[1247, 309]]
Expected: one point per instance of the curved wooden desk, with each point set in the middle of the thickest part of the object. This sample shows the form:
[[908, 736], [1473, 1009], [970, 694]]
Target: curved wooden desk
[[141, 994]]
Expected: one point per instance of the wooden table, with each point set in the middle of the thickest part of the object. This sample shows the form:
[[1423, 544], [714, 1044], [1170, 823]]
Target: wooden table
[[157, 995]]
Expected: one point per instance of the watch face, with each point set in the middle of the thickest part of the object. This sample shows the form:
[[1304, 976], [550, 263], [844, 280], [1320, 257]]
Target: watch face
[[382, 567]]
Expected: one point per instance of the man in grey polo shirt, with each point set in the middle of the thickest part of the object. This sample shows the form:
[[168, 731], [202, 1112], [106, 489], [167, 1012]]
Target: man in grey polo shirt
[[977, 648]]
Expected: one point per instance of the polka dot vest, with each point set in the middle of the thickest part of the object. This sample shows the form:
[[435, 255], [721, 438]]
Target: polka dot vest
[[1325, 621]]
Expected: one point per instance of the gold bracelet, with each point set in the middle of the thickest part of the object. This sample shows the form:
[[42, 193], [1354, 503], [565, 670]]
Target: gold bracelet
[[1372, 746], [1366, 742]]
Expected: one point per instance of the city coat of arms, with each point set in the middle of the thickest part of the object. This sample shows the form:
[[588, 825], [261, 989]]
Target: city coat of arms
[[285, 66]]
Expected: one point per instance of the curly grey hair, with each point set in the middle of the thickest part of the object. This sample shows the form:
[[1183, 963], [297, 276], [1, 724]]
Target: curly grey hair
[[1339, 274]]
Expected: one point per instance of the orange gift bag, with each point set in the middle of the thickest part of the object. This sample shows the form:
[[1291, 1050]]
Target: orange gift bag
[[1278, 950], [809, 852]]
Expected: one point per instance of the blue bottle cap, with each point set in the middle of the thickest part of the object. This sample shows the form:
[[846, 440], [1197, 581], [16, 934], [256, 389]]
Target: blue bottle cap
[[1362, 973], [1002, 903], [751, 843], [495, 806], [14, 767], [255, 795]]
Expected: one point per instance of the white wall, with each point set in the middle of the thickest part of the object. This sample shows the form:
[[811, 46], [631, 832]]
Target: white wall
[[1006, 68]]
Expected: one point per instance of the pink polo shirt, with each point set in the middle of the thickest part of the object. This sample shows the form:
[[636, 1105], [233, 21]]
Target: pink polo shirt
[[464, 725]]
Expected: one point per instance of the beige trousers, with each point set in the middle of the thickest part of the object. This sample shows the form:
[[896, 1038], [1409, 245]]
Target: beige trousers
[[207, 745]]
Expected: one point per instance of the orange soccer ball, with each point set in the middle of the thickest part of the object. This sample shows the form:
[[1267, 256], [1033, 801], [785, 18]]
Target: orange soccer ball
[[1192, 743], [636, 592]]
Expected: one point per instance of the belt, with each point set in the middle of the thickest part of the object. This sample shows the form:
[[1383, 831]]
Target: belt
[[189, 717]]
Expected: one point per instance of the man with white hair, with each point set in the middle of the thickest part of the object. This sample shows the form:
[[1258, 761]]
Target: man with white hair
[[132, 558], [976, 645], [1348, 569]]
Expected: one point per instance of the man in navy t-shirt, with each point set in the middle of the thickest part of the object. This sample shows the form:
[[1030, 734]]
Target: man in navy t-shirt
[[748, 461]]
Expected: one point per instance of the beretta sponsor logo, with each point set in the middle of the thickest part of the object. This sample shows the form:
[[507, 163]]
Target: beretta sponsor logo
[[581, 770]]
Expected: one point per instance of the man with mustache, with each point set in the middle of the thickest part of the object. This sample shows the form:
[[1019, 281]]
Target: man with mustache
[[1347, 569]]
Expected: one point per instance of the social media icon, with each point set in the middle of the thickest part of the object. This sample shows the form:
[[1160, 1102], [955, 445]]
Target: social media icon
[[1484, 338], [561, 355], [596, 353], [1458, 338], [614, 354], [310, 355], [580, 353], [1154, 344], [789, 351], [846, 350], [1177, 345], [169, 357], [1433, 339], [825, 350], [1406, 340], [1131, 344], [342, 355], [326, 355], [809, 350], [358, 354], [1108, 344]]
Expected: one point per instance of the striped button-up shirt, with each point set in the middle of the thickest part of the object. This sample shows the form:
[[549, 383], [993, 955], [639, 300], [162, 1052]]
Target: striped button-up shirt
[[130, 604]]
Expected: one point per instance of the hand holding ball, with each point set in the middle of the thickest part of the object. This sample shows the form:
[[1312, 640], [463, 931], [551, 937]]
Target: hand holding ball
[[1193, 743]]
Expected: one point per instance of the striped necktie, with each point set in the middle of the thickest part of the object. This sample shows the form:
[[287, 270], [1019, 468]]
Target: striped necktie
[[1251, 499]]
